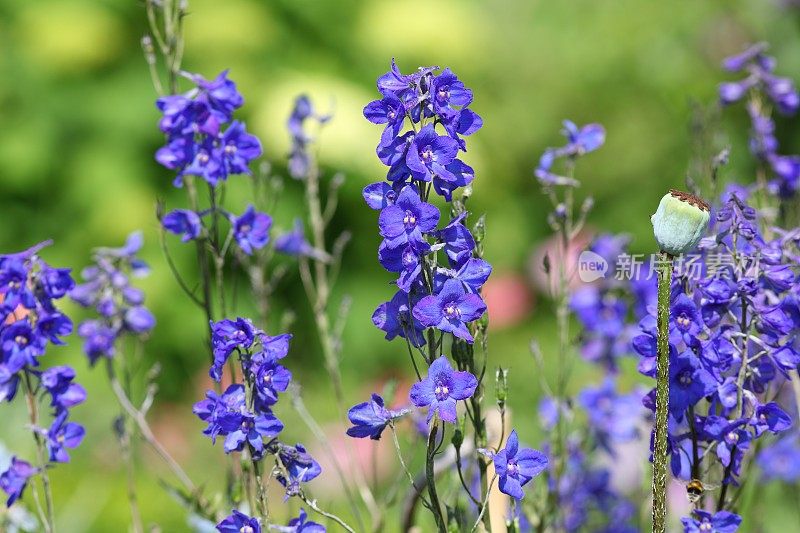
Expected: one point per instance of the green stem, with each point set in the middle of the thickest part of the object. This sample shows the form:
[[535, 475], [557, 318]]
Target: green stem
[[49, 523], [662, 396], [436, 508]]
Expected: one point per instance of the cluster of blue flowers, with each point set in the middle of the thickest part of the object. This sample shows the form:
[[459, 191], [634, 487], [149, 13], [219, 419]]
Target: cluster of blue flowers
[[762, 86], [732, 344], [243, 413], [29, 322], [430, 296], [426, 116], [108, 291], [197, 145]]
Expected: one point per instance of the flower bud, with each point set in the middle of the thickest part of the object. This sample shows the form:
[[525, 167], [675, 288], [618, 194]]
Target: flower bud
[[680, 222]]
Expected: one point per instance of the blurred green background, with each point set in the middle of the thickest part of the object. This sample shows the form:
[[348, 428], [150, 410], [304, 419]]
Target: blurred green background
[[79, 128]]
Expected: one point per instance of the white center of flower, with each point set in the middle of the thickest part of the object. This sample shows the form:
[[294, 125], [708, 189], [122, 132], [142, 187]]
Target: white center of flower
[[246, 529], [409, 219], [203, 158], [441, 391], [451, 310], [706, 525], [230, 149], [685, 378], [427, 153], [732, 437], [22, 341]]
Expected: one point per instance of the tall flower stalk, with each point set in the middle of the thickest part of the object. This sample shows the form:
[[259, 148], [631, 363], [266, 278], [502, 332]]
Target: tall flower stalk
[[660, 455]]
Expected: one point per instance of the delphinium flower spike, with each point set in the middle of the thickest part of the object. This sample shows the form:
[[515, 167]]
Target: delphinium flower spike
[[30, 321]]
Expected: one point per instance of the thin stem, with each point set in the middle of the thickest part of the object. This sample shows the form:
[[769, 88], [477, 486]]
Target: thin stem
[[146, 431], [662, 396], [485, 504], [313, 505], [436, 508], [404, 465], [48, 521]]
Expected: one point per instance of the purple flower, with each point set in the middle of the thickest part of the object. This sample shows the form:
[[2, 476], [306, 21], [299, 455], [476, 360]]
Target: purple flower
[[405, 259], [252, 430], [379, 195], [390, 111], [429, 154], [770, 417], [183, 222], [207, 163], [447, 91], [52, 326], [222, 413], [395, 319], [294, 243], [781, 460], [58, 381], [251, 230], [62, 435], [239, 148], [139, 319], [98, 340], [270, 378], [56, 282], [21, 346], [704, 522], [689, 383], [685, 322], [370, 418], [407, 220], [300, 467], [613, 417], [516, 466], [239, 523], [440, 390], [220, 94], [14, 480], [227, 336], [450, 310], [302, 524], [458, 241]]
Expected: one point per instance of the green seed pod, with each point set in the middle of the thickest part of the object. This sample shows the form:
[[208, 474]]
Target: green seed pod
[[680, 222]]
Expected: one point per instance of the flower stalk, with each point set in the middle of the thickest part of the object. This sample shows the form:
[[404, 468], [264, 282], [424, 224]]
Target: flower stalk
[[662, 395]]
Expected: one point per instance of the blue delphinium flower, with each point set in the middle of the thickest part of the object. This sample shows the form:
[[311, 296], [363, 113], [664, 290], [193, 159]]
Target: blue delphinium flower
[[450, 310], [183, 222], [370, 418], [762, 84], [251, 230], [301, 524], [196, 144], [300, 468], [395, 319], [294, 243], [442, 388], [239, 522], [408, 219], [516, 467], [781, 460], [14, 480], [29, 288], [579, 142], [64, 393], [689, 383], [107, 288], [62, 435], [705, 522], [299, 158]]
